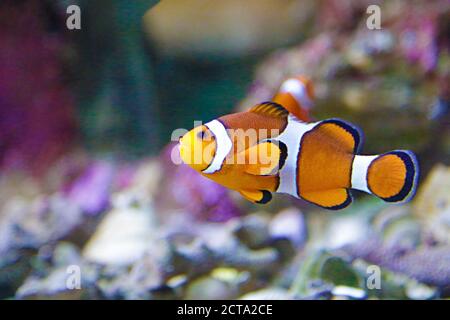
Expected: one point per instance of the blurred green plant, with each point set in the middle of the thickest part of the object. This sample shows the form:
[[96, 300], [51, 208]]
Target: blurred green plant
[[116, 93]]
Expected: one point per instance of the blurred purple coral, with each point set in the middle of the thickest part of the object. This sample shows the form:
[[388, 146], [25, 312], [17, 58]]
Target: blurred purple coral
[[418, 34], [199, 196], [91, 191], [430, 265], [36, 108]]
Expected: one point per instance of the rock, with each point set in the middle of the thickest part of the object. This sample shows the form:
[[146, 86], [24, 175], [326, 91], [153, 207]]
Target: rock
[[122, 237], [66, 254], [344, 230], [31, 224], [289, 224], [348, 292], [398, 228], [208, 288], [29, 221], [418, 291], [54, 286], [145, 278], [146, 181], [432, 203], [252, 230], [321, 271], [231, 275], [14, 273], [60, 273], [268, 294]]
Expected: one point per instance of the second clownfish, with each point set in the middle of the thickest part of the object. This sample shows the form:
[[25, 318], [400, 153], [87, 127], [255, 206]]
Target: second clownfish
[[274, 147]]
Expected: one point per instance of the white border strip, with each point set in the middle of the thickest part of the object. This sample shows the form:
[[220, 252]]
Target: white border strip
[[292, 137], [223, 145], [359, 172]]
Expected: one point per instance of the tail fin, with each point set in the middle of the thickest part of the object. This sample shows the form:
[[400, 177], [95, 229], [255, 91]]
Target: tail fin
[[391, 176]]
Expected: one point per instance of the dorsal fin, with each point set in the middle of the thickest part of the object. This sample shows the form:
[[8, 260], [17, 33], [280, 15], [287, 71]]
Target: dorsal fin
[[290, 104], [347, 135], [270, 109]]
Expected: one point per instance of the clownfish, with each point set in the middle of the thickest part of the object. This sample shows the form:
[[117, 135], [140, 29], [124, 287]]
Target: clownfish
[[286, 152]]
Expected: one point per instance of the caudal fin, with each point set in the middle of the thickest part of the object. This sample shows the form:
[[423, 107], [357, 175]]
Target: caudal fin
[[391, 176]]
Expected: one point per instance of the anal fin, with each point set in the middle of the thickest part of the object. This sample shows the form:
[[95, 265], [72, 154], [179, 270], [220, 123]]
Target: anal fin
[[257, 196], [333, 199]]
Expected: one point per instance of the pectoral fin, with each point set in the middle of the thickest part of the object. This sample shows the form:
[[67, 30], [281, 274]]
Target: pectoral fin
[[334, 199], [265, 158], [257, 196]]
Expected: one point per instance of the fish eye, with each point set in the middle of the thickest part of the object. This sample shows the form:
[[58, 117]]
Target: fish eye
[[201, 135]]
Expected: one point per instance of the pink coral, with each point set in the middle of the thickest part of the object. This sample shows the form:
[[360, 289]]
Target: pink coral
[[36, 108]]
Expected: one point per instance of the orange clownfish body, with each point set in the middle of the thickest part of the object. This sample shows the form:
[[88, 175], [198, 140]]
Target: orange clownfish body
[[274, 147]]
